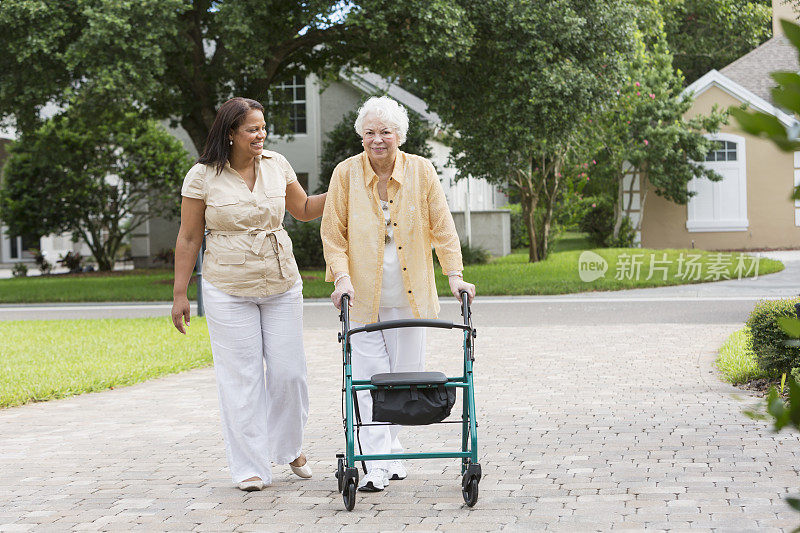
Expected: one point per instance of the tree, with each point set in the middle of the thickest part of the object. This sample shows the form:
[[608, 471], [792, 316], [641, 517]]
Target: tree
[[643, 131], [343, 142], [709, 34], [786, 95], [92, 176], [179, 59], [519, 94]]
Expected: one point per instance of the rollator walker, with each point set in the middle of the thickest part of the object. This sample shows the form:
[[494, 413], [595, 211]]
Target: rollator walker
[[410, 395]]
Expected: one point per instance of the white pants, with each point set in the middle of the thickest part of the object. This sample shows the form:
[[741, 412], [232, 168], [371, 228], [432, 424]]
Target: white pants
[[376, 352], [260, 365]]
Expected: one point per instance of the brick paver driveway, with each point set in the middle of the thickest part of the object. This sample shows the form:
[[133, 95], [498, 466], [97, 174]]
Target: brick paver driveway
[[585, 428]]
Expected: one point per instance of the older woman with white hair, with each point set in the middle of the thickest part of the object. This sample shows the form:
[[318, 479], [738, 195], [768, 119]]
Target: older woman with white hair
[[384, 210]]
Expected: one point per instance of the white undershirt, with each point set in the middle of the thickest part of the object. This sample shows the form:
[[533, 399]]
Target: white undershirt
[[392, 290]]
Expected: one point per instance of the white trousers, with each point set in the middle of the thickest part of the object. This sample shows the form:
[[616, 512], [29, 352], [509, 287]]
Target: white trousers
[[260, 365], [376, 352]]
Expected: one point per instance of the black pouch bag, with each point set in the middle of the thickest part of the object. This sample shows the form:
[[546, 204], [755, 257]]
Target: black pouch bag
[[414, 406]]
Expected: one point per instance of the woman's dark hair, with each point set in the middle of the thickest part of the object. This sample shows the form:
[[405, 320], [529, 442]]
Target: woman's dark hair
[[229, 117]]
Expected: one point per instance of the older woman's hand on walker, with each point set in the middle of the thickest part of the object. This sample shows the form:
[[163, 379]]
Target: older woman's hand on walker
[[457, 284], [342, 286]]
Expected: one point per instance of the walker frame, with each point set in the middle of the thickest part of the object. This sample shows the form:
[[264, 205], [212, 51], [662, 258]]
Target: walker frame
[[347, 472]]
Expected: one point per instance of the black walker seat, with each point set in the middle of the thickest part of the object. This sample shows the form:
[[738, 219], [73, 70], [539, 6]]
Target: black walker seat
[[408, 378]]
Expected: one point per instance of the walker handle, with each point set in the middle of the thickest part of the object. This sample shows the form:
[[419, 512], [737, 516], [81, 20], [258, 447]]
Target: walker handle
[[465, 312], [407, 323], [344, 311]]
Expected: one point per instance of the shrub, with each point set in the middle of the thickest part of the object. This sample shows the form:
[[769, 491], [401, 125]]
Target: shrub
[[569, 213], [598, 222], [166, 256], [20, 270], [626, 235], [519, 230], [306, 243], [473, 255], [42, 263], [768, 338], [73, 261], [125, 253], [520, 237], [470, 255]]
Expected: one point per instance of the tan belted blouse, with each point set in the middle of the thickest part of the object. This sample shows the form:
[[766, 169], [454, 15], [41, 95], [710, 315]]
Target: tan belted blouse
[[248, 252]]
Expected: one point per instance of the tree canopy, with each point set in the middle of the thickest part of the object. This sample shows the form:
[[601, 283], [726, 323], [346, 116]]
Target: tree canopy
[[533, 73], [642, 130], [709, 34], [99, 179], [179, 59]]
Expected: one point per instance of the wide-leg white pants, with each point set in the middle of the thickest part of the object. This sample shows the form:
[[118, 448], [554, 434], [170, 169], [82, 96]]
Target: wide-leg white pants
[[376, 352], [260, 365]]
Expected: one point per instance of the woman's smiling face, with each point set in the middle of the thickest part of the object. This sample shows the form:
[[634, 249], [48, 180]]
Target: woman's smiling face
[[379, 139], [248, 137]]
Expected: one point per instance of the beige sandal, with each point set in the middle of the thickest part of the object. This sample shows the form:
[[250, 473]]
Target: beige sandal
[[303, 471]]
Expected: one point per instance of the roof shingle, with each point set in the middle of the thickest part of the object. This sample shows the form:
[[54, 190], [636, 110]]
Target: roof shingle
[[752, 70]]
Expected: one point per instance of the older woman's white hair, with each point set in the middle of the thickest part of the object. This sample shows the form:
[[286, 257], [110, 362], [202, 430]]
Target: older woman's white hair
[[387, 111]]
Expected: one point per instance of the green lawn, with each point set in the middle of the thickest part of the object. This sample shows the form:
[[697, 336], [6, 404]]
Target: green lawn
[[627, 268], [736, 359], [150, 285], [46, 360], [42, 361]]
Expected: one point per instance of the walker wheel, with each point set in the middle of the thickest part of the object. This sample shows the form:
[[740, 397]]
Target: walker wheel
[[470, 490], [349, 494], [340, 473]]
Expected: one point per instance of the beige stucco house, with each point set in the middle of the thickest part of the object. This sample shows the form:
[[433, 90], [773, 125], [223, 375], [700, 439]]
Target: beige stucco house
[[751, 208]]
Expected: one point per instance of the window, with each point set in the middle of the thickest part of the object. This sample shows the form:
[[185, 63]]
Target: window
[[721, 205], [723, 151], [302, 179], [294, 94], [20, 244]]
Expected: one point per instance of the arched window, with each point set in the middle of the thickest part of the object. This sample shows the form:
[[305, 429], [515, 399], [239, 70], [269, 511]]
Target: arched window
[[721, 205]]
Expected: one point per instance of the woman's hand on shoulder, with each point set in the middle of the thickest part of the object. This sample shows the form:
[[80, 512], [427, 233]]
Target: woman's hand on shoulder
[[341, 287], [457, 284], [180, 312]]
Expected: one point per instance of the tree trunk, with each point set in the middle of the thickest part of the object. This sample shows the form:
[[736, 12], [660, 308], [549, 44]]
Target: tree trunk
[[550, 187], [638, 227], [547, 219], [618, 205], [197, 130], [528, 202]]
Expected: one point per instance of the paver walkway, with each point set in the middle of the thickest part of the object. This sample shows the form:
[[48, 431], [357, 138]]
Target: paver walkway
[[575, 435]]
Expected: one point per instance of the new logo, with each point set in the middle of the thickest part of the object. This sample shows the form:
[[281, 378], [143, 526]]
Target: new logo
[[591, 266]]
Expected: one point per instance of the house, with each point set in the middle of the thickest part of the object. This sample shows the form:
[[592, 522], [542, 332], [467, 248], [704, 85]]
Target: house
[[751, 208], [316, 109]]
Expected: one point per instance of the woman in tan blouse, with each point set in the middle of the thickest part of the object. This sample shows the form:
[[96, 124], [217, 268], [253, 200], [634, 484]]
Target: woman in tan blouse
[[384, 210], [237, 194]]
